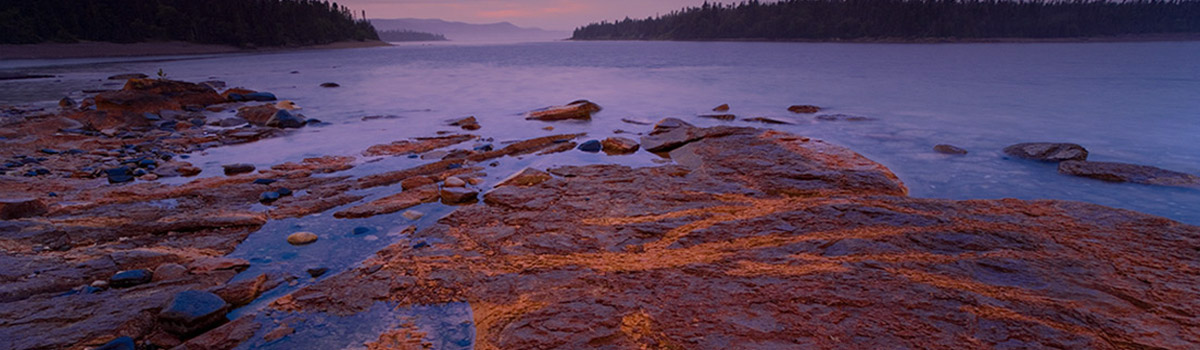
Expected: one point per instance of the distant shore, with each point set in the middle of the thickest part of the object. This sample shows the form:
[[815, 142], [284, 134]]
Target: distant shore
[[105, 49], [1103, 39]]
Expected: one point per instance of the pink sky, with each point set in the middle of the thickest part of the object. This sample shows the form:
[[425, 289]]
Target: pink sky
[[545, 14]]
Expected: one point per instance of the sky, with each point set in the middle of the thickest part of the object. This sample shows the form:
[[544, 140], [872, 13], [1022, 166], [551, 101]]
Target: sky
[[545, 14]]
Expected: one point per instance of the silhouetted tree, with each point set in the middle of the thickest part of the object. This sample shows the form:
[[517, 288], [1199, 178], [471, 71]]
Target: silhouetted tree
[[906, 19], [230, 22]]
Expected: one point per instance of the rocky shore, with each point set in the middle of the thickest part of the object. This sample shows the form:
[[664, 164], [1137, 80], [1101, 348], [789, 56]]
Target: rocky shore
[[745, 238]]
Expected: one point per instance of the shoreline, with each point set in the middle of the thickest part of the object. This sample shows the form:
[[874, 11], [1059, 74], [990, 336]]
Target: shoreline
[[1105, 39], [92, 49]]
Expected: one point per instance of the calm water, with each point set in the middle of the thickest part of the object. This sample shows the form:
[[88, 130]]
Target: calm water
[[1125, 102]]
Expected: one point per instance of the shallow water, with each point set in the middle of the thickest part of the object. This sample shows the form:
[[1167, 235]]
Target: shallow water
[[1125, 102]]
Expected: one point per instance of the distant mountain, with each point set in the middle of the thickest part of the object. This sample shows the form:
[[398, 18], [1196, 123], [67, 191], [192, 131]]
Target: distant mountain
[[467, 32]]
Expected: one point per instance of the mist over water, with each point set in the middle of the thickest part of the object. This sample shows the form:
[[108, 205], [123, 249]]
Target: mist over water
[[1126, 102]]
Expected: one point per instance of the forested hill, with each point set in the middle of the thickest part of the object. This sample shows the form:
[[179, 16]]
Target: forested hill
[[907, 20], [409, 35], [227, 22]]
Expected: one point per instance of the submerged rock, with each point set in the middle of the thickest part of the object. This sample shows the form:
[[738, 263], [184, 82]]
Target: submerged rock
[[949, 149], [121, 343], [330, 85], [804, 109], [766, 120], [191, 312], [302, 238], [842, 117], [468, 123], [1047, 151], [580, 110], [725, 117], [1122, 172], [286, 120], [237, 169]]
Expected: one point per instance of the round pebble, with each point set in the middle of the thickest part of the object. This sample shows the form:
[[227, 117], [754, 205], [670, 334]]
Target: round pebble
[[454, 181], [302, 238]]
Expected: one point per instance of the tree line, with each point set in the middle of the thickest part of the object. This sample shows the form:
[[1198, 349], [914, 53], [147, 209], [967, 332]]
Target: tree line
[[409, 35], [244, 23], [906, 19]]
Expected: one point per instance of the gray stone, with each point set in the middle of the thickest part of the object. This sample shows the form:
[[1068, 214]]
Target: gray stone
[[192, 312], [1047, 151]]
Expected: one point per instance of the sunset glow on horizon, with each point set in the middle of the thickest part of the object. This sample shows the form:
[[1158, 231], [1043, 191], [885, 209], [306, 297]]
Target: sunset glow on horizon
[[545, 14]]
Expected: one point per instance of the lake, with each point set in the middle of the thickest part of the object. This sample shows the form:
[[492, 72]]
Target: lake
[[1125, 102]]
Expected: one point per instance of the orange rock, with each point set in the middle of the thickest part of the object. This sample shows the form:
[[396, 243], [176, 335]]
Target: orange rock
[[581, 109], [804, 109], [391, 204]]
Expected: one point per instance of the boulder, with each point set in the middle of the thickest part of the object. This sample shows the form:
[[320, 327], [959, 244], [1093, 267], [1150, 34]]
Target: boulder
[[454, 181], [169, 271], [673, 133], [1047, 151], [19, 208], [259, 96], [183, 93], [619, 145], [949, 149], [721, 108], [591, 146], [191, 312], [451, 195], [257, 115], [236, 94], [236, 169], [286, 120], [130, 278], [121, 343], [330, 85], [173, 169], [119, 175], [579, 110], [804, 109], [1122, 172]]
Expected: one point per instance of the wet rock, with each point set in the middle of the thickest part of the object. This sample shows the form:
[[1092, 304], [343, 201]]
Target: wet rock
[[407, 199], [458, 195], [673, 133], [173, 169], [264, 181], [236, 94], [725, 117], [278, 333], [210, 264], [285, 120], [1047, 151], [236, 169], [636, 122], [721, 108], [121, 343], [317, 272], [192, 312], [284, 191], [128, 76], [119, 175], [949, 149], [227, 336], [231, 122], [765, 120], [130, 278], [1122, 172], [804, 109], [149, 177], [20, 208], [525, 177], [259, 97], [468, 123], [591, 146], [577, 110], [413, 215], [416, 146], [268, 197], [302, 238], [619, 145], [330, 85], [66, 102], [416, 181], [361, 230], [454, 181], [242, 292], [169, 271], [257, 115], [842, 117]]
